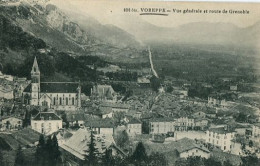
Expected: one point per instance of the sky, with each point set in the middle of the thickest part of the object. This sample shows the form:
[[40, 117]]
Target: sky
[[112, 11]]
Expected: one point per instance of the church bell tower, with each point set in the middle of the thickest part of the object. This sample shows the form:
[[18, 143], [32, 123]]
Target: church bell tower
[[35, 78]]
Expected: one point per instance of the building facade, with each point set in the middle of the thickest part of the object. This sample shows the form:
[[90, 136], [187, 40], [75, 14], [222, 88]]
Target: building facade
[[134, 127], [220, 137], [46, 123], [162, 126], [56, 95]]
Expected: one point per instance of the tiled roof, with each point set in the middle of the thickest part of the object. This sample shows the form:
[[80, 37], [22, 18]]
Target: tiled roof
[[220, 130], [76, 117], [134, 121], [257, 124], [56, 87], [162, 120], [78, 143], [116, 105], [181, 145], [100, 123], [47, 116]]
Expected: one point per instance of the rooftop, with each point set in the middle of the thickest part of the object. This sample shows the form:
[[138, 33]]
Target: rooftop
[[47, 116], [100, 123], [221, 130], [56, 87]]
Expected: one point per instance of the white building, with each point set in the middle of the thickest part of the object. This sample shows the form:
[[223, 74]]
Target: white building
[[220, 137], [11, 123], [134, 127], [101, 126], [55, 95], [256, 130], [189, 148], [46, 123], [184, 124], [6, 92], [162, 125]]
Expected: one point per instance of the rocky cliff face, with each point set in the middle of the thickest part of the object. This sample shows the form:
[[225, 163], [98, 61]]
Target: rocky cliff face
[[46, 21]]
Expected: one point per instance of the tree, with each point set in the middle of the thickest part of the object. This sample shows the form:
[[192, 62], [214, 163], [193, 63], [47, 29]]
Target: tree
[[27, 119], [55, 150], [211, 162], [1, 158], [40, 154], [122, 139], [169, 89], [227, 163], [49, 152], [139, 156], [19, 159], [155, 83], [250, 160], [251, 144], [108, 159], [195, 161], [157, 159], [91, 156]]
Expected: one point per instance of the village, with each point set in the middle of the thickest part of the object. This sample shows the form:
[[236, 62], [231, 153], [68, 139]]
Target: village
[[167, 120]]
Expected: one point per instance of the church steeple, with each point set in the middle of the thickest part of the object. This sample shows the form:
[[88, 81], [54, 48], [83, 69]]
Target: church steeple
[[35, 67], [35, 89]]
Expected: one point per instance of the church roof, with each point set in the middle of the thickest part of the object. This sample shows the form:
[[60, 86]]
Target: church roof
[[56, 87]]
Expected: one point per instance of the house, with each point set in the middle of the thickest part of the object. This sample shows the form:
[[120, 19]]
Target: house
[[76, 118], [243, 129], [75, 148], [200, 123], [55, 95], [106, 112], [216, 101], [188, 147], [184, 124], [162, 125], [199, 114], [220, 137], [116, 107], [11, 123], [46, 123], [175, 150], [6, 92], [103, 93], [134, 127], [256, 130], [233, 87], [101, 126]]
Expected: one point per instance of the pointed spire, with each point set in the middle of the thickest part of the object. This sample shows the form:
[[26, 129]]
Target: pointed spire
[[35, 67]]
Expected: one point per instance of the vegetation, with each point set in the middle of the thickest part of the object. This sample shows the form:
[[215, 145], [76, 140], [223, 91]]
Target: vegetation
[[122, 140], [91, 158], [47, 153], [20, 158]]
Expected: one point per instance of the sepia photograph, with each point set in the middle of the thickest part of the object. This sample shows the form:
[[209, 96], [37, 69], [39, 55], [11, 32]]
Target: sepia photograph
[[129, 83]]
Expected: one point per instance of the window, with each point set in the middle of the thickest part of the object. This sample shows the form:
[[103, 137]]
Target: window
[[196, 151], [224, 147], [60, 101], [225, 137], [54, 101], [67, 101], [73, 101], [49, 125], [35, 125]]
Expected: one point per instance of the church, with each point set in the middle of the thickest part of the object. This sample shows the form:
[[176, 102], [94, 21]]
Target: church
[[55, 95]]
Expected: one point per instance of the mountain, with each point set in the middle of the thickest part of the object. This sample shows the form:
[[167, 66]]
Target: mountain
[[199, 33], [49, 23]]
